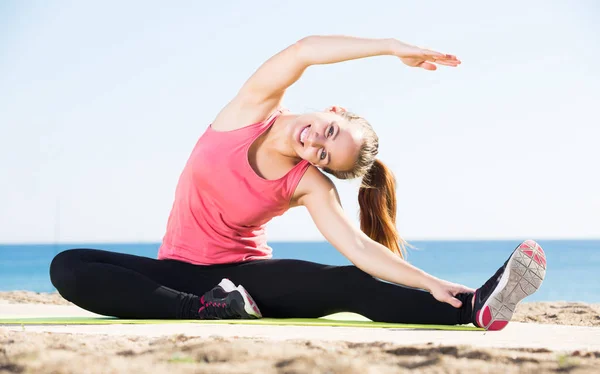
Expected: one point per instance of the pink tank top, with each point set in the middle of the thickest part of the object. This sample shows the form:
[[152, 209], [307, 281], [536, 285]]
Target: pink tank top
[[221, 205]]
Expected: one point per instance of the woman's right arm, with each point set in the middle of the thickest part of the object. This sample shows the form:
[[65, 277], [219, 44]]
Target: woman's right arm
[[278, 73], [263, 91]]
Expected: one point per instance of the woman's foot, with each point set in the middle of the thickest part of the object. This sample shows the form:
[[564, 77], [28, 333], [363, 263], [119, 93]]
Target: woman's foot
[[520, 276], [226, 301]]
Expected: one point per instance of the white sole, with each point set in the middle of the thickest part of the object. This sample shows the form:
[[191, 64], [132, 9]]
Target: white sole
[[249, 304], [227, 285], [524, 274]]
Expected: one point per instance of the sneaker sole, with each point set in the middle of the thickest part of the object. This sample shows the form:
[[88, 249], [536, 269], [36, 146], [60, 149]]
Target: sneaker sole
[[250, 306], [523, 275]]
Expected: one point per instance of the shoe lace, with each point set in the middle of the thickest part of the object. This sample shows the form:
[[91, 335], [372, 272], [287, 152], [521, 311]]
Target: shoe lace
[[216, 310]]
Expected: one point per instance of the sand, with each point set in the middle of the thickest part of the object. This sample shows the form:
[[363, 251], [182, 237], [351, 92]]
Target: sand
[[64, 353], [28, 297], [96, 351], [559, 313]]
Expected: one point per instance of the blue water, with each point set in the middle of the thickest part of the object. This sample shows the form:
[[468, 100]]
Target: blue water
[[573, 265]]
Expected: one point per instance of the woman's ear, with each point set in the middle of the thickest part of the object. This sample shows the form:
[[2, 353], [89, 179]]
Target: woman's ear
[[336, 109]]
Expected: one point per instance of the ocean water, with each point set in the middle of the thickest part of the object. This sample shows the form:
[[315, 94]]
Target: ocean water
[[573, 265]]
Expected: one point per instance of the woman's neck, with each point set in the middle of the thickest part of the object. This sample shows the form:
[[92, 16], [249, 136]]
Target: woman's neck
[[278, 137]]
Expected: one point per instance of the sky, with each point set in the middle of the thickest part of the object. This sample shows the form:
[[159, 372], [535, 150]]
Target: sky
[[102, 102]]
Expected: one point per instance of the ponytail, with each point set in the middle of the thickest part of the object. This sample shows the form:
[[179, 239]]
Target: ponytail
[[377, 200], [377, 193]]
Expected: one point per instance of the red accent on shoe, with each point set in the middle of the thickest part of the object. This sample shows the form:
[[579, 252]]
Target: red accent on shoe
[[253, 306], [497, 325], [477, 318], [487, 316], [538, 259], [542, 255], [202, 300], [529, 252]]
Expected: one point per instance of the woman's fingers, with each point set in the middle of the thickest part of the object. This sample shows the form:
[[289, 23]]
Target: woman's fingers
[[465, 289], [454, 301], [431, 66], [462, 289], [444, 58], [427, 59], [427, 66], [439, 58], [447, 63]]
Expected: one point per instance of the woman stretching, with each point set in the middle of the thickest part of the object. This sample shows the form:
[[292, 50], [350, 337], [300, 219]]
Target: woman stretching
[[257, 160]]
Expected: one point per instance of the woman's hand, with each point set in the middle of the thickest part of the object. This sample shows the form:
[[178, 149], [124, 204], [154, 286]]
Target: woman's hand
[[423, 58], [445, 291]]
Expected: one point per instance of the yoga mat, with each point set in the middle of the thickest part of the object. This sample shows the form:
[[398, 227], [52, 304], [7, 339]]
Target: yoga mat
[[338, 319]]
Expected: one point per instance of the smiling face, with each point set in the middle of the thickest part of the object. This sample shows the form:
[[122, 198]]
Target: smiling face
[[326, 140]]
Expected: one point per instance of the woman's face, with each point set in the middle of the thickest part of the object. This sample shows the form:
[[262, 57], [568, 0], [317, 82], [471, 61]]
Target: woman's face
[[326, 140]]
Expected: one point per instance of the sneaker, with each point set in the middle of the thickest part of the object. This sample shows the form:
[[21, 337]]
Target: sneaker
[[520, 276], [226, 301]]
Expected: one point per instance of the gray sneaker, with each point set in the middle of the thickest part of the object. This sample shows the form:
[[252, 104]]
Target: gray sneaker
[[520, 276], [226, 301]]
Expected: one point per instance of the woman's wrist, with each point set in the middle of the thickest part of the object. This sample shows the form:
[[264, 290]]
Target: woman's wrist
[[428, 281], [398, 48], [392, 46]]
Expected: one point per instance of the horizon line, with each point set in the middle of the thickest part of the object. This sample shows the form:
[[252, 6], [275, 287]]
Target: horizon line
[[311, 241]]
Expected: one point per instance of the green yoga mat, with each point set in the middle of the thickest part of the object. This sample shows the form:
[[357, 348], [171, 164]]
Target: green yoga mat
[[338, 319]]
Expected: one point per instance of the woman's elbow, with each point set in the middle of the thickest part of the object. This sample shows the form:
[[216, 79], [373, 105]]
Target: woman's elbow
[[303, 49]]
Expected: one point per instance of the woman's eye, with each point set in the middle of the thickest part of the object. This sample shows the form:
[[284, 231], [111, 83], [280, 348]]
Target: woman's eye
[[323, 155], [330, 131]]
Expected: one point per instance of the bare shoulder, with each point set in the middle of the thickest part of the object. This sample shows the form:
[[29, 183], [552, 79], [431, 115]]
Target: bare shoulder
[[243, 111], [314, 185], [319, 195]]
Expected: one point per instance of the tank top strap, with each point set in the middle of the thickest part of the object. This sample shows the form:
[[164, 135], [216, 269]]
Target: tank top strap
[[294, 176], [270, 120]]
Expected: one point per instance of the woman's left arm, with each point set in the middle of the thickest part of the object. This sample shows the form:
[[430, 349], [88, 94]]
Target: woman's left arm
[[320, 197], [271, 80]]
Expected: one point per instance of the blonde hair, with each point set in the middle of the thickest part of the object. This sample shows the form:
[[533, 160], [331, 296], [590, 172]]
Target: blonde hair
[[377, 193]]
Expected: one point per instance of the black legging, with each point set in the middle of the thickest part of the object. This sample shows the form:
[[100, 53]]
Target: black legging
[[128, 286]]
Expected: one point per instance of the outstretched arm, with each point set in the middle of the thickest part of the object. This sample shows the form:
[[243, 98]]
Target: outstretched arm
[[322, 202], [269, 82]]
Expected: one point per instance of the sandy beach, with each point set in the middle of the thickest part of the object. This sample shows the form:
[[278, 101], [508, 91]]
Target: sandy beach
[[25, 350]]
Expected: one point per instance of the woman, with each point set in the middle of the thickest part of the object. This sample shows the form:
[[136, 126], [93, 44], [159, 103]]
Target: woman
[[254, 162]]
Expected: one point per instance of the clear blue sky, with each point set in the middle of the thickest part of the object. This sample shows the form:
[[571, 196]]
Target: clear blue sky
[[101, 103]]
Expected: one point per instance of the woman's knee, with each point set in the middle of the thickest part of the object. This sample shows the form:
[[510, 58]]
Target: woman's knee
[[63, 270]]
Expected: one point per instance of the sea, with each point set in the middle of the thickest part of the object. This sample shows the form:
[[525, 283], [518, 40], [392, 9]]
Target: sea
[[573, 272]]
